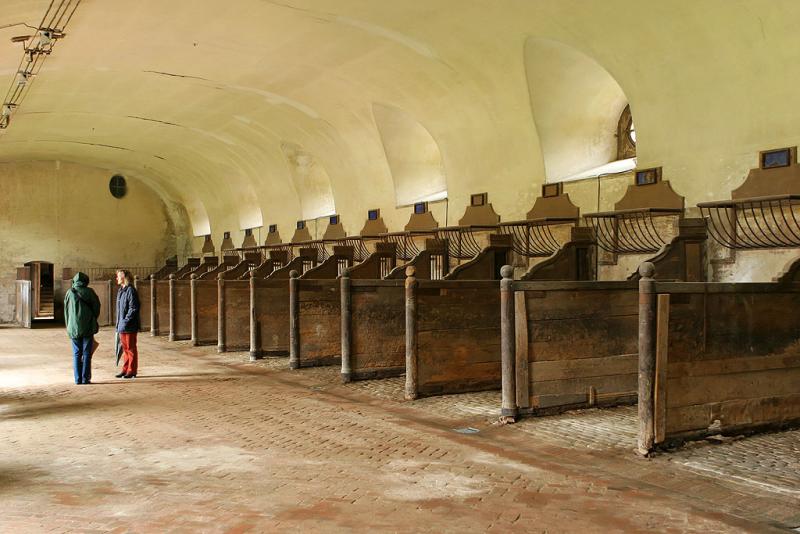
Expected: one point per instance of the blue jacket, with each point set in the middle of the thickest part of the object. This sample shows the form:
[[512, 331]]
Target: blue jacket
[[128, 320]]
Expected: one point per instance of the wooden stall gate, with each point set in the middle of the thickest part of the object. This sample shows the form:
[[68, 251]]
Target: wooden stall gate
[[568, 345], [452, 336], [314, 312], [269, 306], [233, 330], [717, 358]]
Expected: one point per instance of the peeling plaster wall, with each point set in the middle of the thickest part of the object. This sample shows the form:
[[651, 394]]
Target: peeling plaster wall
[[64, 213]]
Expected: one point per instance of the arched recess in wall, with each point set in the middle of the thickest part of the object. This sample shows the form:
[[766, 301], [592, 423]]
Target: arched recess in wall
[[311, 181], [576, 106], [413, 155]]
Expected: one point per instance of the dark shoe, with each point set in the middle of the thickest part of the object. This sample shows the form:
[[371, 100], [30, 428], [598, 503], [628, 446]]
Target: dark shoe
[[129, 376], [120, 375]]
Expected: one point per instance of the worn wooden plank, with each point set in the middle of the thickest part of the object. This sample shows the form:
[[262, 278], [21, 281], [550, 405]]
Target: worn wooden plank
[[583, 367], [660, 386], [735, 414], [617, 383], [689, 390], [521, 347], [742, 364]]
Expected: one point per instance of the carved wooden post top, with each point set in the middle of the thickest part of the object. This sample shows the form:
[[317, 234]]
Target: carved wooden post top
[[193, 276], [345, 274], [647, 270], [507, 272], [410, 278], [293, 274], [152, 277], [221, 276], [172, 276], [252, 275]]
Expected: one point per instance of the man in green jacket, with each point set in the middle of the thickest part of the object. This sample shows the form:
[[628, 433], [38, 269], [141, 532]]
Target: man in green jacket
[[81, 310]]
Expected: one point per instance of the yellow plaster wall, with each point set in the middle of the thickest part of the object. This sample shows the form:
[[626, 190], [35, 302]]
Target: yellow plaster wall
[[64, 213]]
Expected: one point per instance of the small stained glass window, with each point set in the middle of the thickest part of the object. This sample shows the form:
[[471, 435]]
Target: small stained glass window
[[420, 208]]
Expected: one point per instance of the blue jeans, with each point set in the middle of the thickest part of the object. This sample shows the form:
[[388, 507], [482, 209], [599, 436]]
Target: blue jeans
[[82, 359]]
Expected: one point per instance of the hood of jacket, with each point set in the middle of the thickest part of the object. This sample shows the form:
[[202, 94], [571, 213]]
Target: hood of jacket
[[80, 283], [80, 280]]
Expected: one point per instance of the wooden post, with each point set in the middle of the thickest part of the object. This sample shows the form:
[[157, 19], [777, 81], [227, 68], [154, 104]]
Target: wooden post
[[254, 352], [193, 307], [172, 307], [411, 333], [345, 316], [153, 310], [647, 356], [508, 342], [220, 312], [294, 321]]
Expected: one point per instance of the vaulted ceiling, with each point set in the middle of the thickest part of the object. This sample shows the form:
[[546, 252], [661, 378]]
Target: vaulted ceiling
[[222, 105]]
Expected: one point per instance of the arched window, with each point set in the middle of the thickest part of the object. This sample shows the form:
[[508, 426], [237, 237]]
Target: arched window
[[626, 135]]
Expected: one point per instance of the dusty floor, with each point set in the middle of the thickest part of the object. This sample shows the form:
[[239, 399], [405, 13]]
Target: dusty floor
[[202, 442]]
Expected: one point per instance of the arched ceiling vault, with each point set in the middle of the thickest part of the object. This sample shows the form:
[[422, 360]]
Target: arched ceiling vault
[[200, 96]]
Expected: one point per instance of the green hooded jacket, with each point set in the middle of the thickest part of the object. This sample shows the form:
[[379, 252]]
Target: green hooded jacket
[[81, 308]]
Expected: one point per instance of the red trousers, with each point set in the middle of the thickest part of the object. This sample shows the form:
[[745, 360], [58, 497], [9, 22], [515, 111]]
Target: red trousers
[[130, 354]]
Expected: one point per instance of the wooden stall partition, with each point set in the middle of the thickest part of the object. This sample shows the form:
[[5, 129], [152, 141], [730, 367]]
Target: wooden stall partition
[[191, 265], [486, 265], [270, 316], [452, 336], [209, 263], [106, 294], [726, 360], [205, 312], [228, 261], [430, 264], [170, 267], [240, 270], [143, 286], [574, 260], [317, 326], [276, 260], [372, 328], [574, 344], [377, 265], [234, 315]]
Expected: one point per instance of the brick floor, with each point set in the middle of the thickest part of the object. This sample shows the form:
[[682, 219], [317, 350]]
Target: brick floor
[[202, 442]]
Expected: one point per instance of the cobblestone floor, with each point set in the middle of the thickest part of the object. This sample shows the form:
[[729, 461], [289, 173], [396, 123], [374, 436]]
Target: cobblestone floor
[[202, 442]]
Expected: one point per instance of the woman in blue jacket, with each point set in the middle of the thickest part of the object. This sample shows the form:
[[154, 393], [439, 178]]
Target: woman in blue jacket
[[128, 322]]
